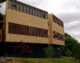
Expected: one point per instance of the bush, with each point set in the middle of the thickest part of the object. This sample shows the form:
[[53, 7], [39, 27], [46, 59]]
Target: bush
[[49, 51], [68, 53]]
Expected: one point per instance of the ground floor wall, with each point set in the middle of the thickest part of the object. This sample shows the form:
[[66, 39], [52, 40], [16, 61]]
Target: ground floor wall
[[0, 35], [28, 50]]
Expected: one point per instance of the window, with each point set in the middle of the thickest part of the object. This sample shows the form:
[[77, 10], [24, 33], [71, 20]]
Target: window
[[10, 4], [27, 9], [16, 29], [30, 10], [18, 6], [27, 30], [46, 16], [57, 21], [38, 32], [24, 8], [36, 13], [32, 30], [39, 13], [33, 11], [14, 5], [58, 36], [21, 7]]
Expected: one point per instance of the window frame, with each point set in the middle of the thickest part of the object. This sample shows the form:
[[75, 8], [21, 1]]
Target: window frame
[[14, 6], [21, 7], [10, 3]]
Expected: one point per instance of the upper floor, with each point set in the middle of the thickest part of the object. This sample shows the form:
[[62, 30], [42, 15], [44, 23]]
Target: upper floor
[[22, 7]]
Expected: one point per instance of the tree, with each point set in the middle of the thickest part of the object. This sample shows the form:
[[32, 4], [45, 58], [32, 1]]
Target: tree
[[76, 51], [2, 16], [72, 47], [70, 42], [49, 51], [68, 52]]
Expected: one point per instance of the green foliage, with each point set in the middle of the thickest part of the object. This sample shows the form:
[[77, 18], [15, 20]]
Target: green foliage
[[68, 52], [72, 47], [49, 51], [76, 51], [2, 16], [69, 42]]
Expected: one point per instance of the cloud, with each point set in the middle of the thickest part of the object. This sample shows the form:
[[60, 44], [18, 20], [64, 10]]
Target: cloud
[[3, 8], [74, 34], [68, 17], [72, 4]]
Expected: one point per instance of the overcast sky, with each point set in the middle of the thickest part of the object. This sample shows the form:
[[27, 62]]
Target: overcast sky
[[67, 10]]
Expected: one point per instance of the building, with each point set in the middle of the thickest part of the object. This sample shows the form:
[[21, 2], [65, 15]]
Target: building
[[27, 30]]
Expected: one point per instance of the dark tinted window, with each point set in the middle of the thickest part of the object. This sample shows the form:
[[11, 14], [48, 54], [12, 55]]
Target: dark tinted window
[[27, 30]]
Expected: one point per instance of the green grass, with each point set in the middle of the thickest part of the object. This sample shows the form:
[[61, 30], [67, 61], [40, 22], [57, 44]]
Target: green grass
[[45, 60]]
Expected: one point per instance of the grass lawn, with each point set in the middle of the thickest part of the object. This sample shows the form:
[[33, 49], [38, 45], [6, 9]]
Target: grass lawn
[[45, 60]]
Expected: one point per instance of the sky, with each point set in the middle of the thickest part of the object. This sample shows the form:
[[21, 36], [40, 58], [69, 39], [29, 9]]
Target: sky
[[67, 10]]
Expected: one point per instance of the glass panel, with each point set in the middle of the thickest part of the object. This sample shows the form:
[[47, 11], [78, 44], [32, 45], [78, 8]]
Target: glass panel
[[10, 4], [25, 9], [30, 10], [46, 16], [21, 7], [39, 13], [14, 5], [17, 6], [36, 13], [33, 12]]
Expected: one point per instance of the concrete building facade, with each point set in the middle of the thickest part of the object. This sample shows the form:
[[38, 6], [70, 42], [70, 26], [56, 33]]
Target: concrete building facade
[[27, 30]]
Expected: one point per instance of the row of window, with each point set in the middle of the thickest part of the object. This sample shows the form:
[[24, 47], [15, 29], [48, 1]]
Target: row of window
[[58, 36], [32, 31], [16, 5], [58, 21], [27, 30]]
